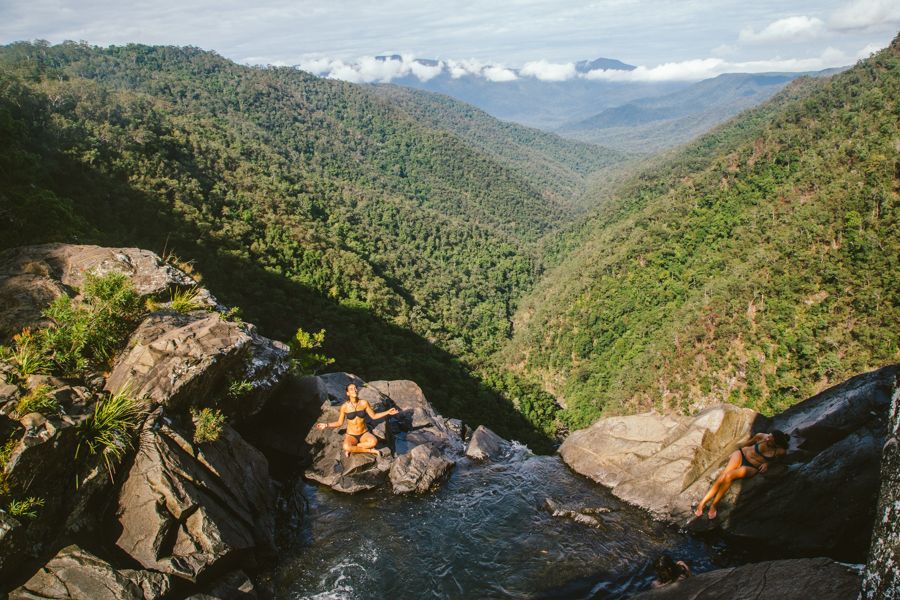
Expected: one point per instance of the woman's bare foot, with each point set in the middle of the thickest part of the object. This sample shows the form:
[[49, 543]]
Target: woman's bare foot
[[699, 511], [712, 512]]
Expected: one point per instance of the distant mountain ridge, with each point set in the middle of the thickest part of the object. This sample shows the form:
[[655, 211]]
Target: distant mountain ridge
[[653, 124]]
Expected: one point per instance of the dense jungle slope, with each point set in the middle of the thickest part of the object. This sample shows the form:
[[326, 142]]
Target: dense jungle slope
[[308, 202], [548, 161], [757, 265]]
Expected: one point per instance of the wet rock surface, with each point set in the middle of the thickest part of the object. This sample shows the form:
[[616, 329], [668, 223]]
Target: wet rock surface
[[186, 508], [233, 586], [76, 573], [799, 579], [486, 445]]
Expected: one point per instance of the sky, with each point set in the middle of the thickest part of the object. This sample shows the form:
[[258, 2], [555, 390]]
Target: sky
[[498, 40]]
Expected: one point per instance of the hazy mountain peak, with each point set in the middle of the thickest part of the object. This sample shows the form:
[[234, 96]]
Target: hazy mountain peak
[[604, 64]]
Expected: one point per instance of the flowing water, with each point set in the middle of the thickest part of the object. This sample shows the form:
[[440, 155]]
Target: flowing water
[[486, 533]]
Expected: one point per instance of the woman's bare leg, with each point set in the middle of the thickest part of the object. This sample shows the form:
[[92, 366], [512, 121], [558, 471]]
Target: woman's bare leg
[[349, 445], [739, 473], [734, 461], [366, 443]]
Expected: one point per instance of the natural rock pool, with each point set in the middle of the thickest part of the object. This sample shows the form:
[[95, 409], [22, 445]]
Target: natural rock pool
[[486, 533]]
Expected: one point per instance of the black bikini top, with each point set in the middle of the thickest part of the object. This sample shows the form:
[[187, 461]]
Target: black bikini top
[[356, 414]]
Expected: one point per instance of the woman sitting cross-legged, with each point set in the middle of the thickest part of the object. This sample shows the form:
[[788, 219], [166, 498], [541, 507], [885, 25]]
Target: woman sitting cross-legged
[[746, 462], [354, 411]]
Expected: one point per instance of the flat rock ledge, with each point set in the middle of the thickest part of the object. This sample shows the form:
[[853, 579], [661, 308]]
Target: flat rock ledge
[[799, 579]]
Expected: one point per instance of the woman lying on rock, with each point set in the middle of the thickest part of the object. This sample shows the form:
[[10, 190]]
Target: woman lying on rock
[[746, 462], [354, 410]]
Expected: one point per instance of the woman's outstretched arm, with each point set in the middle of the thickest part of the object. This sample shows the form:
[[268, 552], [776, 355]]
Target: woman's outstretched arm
[[374, 415], [334, 424]]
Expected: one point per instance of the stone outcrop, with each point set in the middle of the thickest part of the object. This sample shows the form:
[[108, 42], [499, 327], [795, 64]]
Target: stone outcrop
[[666, 463], [173, 359], [76, 573], [486, 445], [417, 448], [663, 463], [800, 579], [187, 508], [881, 579], [31, 277], [823, 500]]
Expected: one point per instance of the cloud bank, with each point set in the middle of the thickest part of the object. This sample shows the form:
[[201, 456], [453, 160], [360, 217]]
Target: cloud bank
[[372, 69]]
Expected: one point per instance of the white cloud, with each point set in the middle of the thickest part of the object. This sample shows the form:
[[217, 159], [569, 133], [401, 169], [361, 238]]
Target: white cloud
[[698, 69], [866, 14], [425, 72], [789, 29], [547, 71], [499, 74], [461, 68], [724, 50]]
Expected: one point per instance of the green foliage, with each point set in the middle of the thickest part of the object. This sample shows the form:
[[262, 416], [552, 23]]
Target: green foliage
[[82, 334], [6, 451], [27, 354], [305, 357], [109, 431], [757, 265], [185, 301], [240, 388], [37, 400], [27, 508], [207, 424]]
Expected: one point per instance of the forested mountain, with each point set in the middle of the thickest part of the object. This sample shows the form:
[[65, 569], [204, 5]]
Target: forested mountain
[[757, 265], [305, 201], [654, 124], [546, 160]]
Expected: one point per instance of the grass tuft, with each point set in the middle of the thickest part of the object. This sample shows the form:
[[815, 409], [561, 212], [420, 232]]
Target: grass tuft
[[109, 431]]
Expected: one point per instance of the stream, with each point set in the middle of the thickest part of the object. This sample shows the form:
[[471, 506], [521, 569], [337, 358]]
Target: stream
[[486, 533]]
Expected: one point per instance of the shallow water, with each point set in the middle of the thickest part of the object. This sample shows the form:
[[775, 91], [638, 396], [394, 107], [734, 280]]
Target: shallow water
[[485, 534]]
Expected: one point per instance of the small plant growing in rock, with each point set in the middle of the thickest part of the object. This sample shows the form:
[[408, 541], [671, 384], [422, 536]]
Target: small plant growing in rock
[[38, 400], [185, 301], [305, 357], [6, 451], [27, 354], [26, 508], [240, 388], [207, 424], [109, 431]]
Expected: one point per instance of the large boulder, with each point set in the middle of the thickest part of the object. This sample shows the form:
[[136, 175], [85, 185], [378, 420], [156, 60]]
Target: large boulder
[[186, 508], [663, 463], [486, 445], [823, 501], [417, 449], [76, 573], [881, 579], [31, 277], [800, 579], [174, 359], [666, 463]]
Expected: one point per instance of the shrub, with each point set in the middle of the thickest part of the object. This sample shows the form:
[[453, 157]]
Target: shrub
[[38, 400], [207, 424], [26, 508], [82, 334], [305, 359], [109, 430]]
